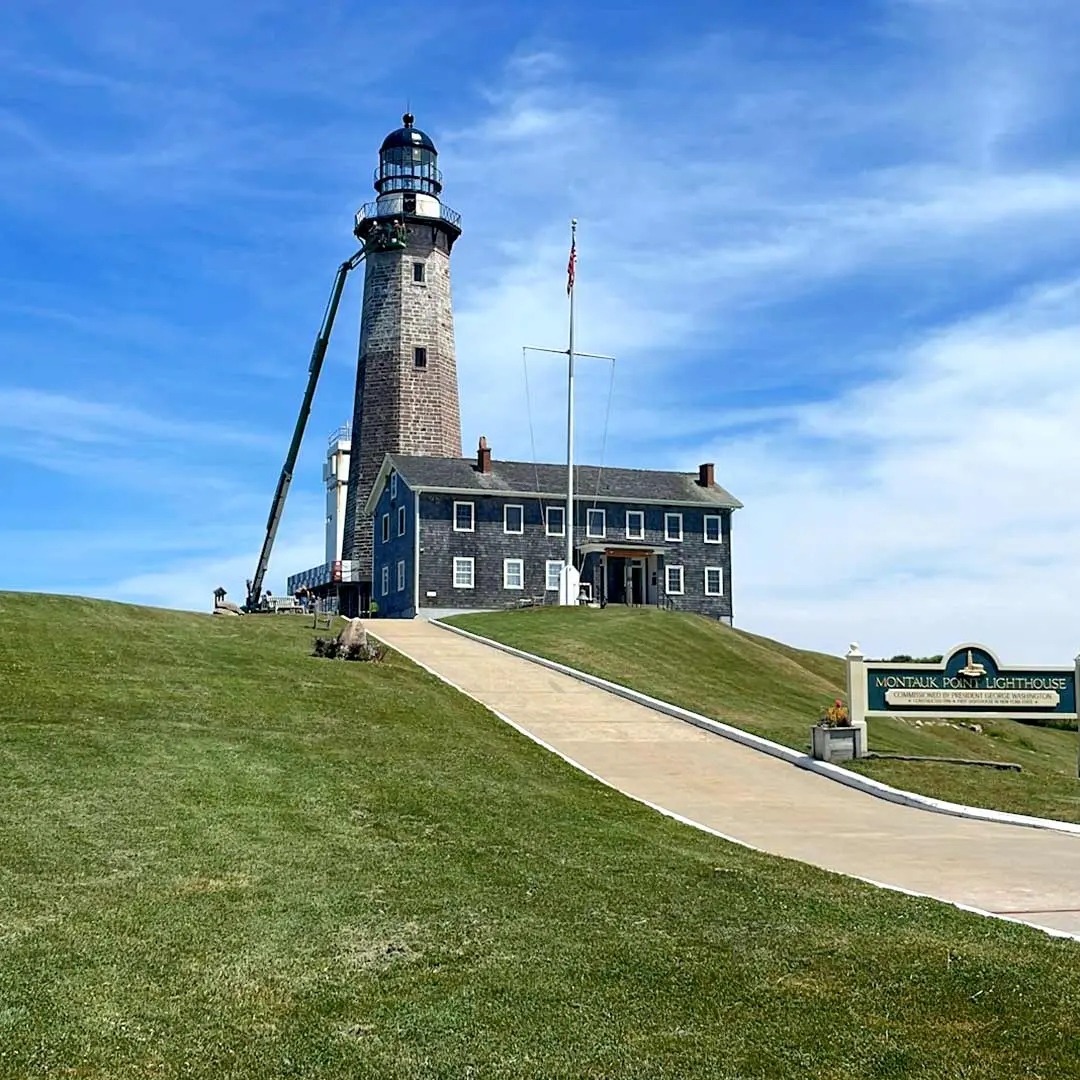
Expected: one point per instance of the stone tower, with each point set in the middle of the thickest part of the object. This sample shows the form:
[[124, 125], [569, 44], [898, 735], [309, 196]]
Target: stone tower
[[406, 383]]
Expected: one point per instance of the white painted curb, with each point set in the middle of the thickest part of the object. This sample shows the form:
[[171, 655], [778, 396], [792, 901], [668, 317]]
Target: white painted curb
[[785, 753], [1049, 931]]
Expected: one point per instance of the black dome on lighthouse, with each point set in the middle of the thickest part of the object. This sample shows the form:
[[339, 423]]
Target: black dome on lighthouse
[[407, 136], [408, 161]]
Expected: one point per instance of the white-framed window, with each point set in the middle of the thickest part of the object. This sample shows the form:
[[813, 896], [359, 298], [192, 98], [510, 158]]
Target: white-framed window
[[513, 573], [418, 273], [401, 521], [714, 581], [714, 530], [401, 575], [385, 528], [596, 523], [463, 517], [393, 485], [552, 573], [513, 518], [673, 580], [635, 524], [673, 527], [385, 580], [555, 518], [463, 573]]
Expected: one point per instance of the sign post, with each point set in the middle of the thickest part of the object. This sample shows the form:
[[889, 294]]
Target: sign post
[[1076, 684], [856, 695]]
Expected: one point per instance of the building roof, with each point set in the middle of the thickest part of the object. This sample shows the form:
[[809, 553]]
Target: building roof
[[461, 475]]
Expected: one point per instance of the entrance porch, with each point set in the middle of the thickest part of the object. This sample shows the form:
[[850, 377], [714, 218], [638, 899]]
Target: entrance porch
[[623, 573]]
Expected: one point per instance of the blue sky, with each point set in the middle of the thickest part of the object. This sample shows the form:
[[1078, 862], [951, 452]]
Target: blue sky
[[832, 246]]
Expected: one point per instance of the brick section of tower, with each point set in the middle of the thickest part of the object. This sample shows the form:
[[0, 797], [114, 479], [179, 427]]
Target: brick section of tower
[[399, 407]]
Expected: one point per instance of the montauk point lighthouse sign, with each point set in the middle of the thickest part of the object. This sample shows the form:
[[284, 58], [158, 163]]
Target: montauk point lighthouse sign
[[970, 681]]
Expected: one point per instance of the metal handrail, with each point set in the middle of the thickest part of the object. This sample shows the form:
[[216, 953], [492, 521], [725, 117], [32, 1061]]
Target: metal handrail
[[342, 434], [371, 210]]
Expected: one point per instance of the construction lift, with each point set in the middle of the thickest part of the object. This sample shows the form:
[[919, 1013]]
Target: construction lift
[[318, 353]]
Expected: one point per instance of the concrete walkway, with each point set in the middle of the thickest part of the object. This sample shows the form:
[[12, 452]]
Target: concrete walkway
[[1029, 874]]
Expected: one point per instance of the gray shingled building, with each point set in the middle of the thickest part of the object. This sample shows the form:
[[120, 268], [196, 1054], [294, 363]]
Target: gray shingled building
[[477, 533]]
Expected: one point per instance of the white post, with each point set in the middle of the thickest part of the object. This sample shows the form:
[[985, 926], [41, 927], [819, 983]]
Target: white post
[[1076, 702], [856, 694], [570, 427]]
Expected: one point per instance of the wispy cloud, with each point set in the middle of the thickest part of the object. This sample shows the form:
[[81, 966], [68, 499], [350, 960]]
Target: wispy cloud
[[71, 419], [930, 505]]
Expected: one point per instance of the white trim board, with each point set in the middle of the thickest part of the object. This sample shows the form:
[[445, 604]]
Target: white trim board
[[930, 713]]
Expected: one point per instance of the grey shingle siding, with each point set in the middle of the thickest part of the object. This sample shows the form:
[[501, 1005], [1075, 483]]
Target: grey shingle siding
[[489, 545]]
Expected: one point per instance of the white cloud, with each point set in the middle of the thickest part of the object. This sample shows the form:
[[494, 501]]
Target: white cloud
[[922, 497], [936, 504], [78, 420], [188, 582], [703, 227]]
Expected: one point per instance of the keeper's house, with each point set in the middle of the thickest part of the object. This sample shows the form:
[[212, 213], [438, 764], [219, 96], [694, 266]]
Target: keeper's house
[[458, 533]]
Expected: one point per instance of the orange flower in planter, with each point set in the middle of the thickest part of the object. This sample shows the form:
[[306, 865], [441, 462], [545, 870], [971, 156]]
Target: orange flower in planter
[[836, 715]]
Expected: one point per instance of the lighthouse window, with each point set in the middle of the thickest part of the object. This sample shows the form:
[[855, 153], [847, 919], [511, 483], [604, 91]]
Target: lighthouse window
[[418, 272], [420, 356]]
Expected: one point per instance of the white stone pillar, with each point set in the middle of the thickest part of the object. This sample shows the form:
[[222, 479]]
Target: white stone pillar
[[1076, 702], [856, 695]]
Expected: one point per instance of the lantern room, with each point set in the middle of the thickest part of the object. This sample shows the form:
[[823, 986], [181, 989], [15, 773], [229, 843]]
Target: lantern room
[[408, 161]]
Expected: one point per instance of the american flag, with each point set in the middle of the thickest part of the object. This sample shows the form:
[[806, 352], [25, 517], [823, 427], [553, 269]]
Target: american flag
[[570, 267]]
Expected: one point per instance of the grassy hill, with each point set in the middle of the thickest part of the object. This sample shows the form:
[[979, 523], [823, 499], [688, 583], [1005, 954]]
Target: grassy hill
[[222, 858], [777, 691]]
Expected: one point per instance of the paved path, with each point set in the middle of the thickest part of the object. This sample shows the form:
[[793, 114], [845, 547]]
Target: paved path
[[1031, 874]]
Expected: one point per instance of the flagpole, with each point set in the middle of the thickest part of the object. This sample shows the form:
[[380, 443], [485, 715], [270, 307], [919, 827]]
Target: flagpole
[[570, 419]]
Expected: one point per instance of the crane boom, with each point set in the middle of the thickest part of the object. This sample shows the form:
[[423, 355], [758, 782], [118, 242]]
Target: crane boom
[[318, 353]]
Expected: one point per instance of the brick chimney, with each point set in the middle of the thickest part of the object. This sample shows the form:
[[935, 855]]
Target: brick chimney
[[483, 456], [705, 476]]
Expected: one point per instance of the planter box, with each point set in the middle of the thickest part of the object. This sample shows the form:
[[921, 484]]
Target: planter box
[[838, 743]]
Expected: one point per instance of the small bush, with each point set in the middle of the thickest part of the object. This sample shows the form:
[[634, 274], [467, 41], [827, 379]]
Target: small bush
[[903, 658], [332, 649]]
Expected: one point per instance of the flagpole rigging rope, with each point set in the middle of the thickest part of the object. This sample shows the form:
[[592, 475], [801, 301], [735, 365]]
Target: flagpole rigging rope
[[532, 437], [603, 441]]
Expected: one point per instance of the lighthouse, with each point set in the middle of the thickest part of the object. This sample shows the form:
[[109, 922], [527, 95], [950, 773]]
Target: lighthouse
[[406, 383]]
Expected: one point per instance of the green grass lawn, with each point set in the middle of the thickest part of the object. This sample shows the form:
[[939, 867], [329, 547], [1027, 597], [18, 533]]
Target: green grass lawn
[[777, 691], [221, 858]]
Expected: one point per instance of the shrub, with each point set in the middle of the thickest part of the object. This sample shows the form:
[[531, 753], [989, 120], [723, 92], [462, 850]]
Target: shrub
[[332, 649], [903, 658]]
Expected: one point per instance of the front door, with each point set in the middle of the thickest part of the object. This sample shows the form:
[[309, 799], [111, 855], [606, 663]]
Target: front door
[[616, 580], [637, 583]]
